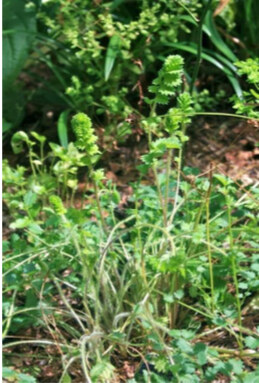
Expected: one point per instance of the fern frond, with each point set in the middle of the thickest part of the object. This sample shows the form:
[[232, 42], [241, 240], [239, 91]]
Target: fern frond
[[185, 102], [168, 80], [181, 115]]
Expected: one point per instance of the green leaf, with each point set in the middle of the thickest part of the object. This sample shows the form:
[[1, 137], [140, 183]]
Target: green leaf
[[14, 101], [30, 198], [208, 56], [8, 373], [251, 8], [252, 342], [179, 294], [111, 54], [17, 141], [168, 298], [252, 378], [66, 379], [215, 37], [237, 365], [186, 334], [38, 137], [200, 350], [184, 346], [63, 128], [102, 371], [35, 228], [166, 143], [20, 223], [156, 342], [24, 378], [6, 126], [19, 28]]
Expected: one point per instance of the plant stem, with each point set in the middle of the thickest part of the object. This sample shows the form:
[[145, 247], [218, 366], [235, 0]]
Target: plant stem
[[234, 269], [198, 61], [140, 247], [31, 162], [235, 352], [87, 339], [188, 11], [83, 358], [160, 195], [174, 306], [85, 270], [42, 341], [96, 192], [218, 114], [208, 240], [177, 190], [99, 207], [67, 304], [224, 115], [168, 172], [10, 315]]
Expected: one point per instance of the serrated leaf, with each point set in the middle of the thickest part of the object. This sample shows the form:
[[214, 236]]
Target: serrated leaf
[[200, 350], [184, 346], [102, 371], [161, 364], [237, 365], [252, 342]]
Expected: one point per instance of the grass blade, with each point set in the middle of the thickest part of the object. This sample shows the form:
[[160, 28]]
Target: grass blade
[[112, 52], [251, 15], [216, 38], [192, 48], [63, 128]]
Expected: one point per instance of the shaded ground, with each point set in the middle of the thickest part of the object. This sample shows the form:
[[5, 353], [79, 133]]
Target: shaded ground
[[230, 146]]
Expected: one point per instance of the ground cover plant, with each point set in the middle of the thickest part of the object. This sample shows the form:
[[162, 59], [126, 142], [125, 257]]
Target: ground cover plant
[[185, 249], [160, 285], [102, 56]]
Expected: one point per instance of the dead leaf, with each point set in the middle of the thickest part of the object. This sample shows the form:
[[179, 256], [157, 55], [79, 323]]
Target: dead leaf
[[222, 5]]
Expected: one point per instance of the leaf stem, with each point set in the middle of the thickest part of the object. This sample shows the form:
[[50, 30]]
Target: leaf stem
[[208, 240]]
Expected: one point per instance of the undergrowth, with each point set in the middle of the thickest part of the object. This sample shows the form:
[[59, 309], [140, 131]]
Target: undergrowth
[[150, 281]]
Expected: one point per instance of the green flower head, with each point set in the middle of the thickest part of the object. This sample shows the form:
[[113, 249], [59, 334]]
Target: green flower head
[[85, 137], [57, 205]]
